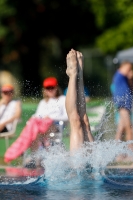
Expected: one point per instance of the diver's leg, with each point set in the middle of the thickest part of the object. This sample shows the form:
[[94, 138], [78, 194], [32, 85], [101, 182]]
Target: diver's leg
[[76, 135], [81, 100]]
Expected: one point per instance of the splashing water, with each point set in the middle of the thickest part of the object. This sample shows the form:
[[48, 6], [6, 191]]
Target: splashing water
[[89, 161], [71, 171], [60, 165]]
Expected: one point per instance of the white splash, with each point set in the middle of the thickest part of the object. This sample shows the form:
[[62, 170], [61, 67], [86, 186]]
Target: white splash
[[92, 157]]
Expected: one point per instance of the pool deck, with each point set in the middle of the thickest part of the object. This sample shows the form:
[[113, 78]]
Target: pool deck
[[12, 171], [120, 167], [126, 165], [19, 171]]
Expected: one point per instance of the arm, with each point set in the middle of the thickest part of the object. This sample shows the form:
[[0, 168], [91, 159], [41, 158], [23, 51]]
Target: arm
[[39, 109], [122, 95], [17, 115], [62, 114]]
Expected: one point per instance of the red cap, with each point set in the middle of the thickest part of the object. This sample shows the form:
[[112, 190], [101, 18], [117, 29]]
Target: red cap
[[50, 82], [7, 88]]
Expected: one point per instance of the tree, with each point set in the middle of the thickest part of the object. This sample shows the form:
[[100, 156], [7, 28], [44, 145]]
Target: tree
[[27, 48], [5, 11], [114, 21]]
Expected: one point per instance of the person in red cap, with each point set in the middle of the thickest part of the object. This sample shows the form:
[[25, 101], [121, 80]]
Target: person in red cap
[[10, 109], [51, 109], [50, 82]]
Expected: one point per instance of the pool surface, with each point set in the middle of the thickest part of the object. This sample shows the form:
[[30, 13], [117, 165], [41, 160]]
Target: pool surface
[[86, 175], [78, 188]]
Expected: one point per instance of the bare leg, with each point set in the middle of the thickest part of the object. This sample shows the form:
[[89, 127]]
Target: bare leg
[[75, 102], [124, 125], [76, 136], [81, 101]]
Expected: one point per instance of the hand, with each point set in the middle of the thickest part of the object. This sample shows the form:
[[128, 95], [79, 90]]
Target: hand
[[2, 101], [2, 125], [47, 117]]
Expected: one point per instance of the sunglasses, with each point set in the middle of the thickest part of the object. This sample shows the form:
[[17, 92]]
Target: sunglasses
[[50, 88], [7, 92]]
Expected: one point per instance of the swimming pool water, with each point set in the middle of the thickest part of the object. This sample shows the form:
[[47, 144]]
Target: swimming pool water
[[83, 188], [83, 176]]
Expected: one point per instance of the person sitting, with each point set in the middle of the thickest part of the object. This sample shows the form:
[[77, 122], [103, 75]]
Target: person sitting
[[10, 109], [75, 102], [52, 106], [50, 110]]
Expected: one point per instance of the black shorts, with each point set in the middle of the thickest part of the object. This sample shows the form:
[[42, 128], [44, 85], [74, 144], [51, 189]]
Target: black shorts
[[4, 130]]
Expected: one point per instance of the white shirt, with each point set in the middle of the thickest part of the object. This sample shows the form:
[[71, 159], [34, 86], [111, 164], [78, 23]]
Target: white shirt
[[54, 108], [8, 112]]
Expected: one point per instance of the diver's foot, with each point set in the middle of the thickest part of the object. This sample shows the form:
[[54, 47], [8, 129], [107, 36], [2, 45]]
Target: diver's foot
[[80, 59], [72, 64]]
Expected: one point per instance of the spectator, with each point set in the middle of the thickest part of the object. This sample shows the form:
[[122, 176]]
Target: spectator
[[10, 109], [50, 110], [87, 94], [121, 92]]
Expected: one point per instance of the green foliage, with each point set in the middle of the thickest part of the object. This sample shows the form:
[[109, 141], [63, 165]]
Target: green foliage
[[5, 11], [114, 20], [3, 31], [117, 38], [98, 8]]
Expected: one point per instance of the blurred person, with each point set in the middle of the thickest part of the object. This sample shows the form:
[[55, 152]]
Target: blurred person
[[86, 93], [122, 98], [75, 102], [130, 80], [50, 110], [10, 109]]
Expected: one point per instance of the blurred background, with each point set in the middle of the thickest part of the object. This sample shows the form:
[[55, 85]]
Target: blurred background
[[36, 35]]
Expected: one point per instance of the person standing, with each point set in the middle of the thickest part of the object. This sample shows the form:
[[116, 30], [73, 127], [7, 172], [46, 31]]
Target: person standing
[[123, 100]]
